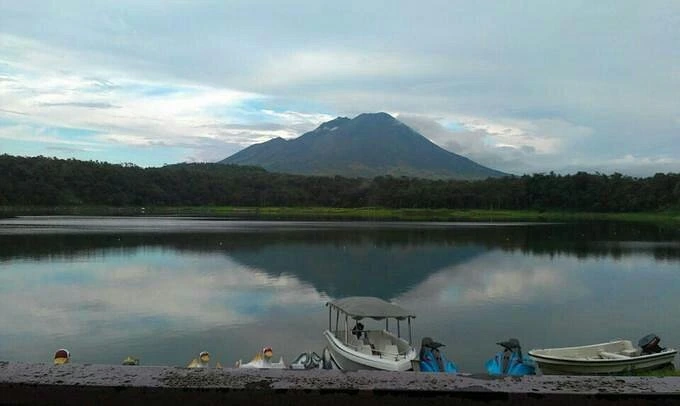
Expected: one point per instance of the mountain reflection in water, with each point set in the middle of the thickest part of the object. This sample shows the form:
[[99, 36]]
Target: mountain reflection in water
[[164, 294]]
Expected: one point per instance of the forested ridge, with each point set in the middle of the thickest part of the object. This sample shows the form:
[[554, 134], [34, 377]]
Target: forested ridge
[[42, 181]]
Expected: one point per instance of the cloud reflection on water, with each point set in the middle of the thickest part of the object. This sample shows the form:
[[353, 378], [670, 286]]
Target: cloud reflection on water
[[108, 300]]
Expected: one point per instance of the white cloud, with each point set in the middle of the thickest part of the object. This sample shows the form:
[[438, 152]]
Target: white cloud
[[496, 283], [541, 136], [53, 98], [46, 136], [293, 118], [187, 300], [131, 140], [125, 111], [511, 145]]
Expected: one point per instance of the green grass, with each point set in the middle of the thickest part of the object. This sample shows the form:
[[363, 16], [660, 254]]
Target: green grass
[[363, 213], [376, 213], [663, 372]]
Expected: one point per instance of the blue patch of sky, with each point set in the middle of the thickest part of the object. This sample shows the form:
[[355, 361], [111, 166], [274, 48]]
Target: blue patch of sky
[[21, 148], [153, 156], [245, 112], [158, 90], [6, 69], [163, 91], [68, 133], [72, 133], [453, 126], [143, 89], [254, 111], [5, 122], [28, 147]]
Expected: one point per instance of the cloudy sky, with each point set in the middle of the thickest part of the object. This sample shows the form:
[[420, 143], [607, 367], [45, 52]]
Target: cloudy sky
[[522, 86]]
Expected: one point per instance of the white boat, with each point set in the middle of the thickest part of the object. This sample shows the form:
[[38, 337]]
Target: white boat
[[612, 357], [354, 348]]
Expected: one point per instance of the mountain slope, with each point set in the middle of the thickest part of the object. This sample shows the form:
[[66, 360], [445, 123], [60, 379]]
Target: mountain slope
[[367, 146]]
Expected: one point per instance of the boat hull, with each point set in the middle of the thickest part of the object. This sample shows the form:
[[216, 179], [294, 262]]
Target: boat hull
[[349, 360], [616, 357], [610, 367]]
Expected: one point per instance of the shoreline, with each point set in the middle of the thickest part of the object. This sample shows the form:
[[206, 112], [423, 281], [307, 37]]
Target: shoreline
[[112, 384], [671, 218]]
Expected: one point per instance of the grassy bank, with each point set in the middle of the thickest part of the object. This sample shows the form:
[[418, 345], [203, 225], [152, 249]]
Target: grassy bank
[[369, 213], [662, 372], [364, 213]]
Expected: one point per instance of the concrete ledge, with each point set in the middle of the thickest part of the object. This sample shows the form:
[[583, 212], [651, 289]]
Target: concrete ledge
[[22, 383]]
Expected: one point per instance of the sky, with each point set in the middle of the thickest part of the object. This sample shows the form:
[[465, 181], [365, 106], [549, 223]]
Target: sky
[[519, 86]]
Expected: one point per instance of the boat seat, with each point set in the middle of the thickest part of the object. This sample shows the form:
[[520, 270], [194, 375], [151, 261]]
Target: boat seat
[[366, 349], [612, 355], [379, 341], [390, 350], [354, 341]]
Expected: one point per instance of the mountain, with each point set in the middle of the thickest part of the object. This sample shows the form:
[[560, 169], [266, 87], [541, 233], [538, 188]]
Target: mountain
[[368, 145]]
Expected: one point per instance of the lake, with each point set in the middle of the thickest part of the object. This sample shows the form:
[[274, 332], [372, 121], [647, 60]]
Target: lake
[[163, 289]]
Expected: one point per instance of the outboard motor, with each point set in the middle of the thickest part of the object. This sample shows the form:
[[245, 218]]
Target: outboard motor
[[650, 344], [510, 361]]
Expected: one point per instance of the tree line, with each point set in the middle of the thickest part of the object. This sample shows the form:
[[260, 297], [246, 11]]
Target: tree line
[[42, 181]]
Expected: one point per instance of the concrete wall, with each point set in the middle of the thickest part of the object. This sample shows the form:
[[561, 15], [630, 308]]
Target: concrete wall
[[22, 383]]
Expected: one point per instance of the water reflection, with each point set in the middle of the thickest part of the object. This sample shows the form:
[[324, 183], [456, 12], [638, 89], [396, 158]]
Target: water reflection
[[114, 299], [567, 301], [164, 294]]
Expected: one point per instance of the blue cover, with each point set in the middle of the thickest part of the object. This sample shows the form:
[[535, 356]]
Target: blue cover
[[429, 363], [516, 366]]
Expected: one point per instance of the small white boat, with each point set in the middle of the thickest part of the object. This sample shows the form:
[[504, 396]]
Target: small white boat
[[262, 360], [354, 348], [612, 357]]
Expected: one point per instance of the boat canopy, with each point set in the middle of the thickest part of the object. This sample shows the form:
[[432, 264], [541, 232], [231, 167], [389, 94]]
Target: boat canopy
[[359, 307]]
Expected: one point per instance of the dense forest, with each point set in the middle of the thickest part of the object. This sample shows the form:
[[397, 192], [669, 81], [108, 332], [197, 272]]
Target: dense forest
[[42, 181]]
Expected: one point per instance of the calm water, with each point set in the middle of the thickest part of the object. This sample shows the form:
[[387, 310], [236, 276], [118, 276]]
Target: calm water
[[164, 289]]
